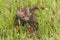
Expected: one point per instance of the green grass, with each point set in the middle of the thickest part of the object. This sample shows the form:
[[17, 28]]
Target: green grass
[[48, 30]]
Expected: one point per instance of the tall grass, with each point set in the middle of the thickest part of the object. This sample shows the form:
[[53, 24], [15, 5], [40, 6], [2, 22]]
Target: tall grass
[[48, 30]]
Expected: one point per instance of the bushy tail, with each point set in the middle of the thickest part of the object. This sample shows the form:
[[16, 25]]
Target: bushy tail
[[36, 6]]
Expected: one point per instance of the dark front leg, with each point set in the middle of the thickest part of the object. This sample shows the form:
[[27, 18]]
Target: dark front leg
[[22, 22], [16, 21]]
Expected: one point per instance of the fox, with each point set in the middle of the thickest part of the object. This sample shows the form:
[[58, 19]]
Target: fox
[[26, 15]]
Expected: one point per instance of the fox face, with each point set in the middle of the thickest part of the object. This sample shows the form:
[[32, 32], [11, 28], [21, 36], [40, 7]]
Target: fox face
[[24, 14]]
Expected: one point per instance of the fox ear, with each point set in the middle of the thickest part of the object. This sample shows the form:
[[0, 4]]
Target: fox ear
[[28, 11]]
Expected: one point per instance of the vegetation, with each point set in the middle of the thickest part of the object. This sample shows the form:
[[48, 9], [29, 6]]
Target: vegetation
[[49, 21]]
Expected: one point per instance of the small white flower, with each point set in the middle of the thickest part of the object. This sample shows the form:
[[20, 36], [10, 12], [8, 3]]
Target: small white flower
[[46, 8]]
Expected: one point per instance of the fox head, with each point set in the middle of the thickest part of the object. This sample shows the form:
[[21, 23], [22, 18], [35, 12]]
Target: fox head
[[24, 14]]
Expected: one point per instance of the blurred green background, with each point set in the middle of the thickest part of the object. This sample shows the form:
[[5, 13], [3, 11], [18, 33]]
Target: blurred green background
[[48, 30]]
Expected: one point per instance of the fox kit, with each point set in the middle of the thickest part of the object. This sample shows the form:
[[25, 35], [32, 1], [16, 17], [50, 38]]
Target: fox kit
[[26, 15]]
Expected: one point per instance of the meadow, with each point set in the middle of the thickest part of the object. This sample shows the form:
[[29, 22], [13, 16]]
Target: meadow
[[49, 22]]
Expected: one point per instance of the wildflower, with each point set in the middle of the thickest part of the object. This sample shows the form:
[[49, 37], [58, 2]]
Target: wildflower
[[17, 27], [30, 29], [53, 11]]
